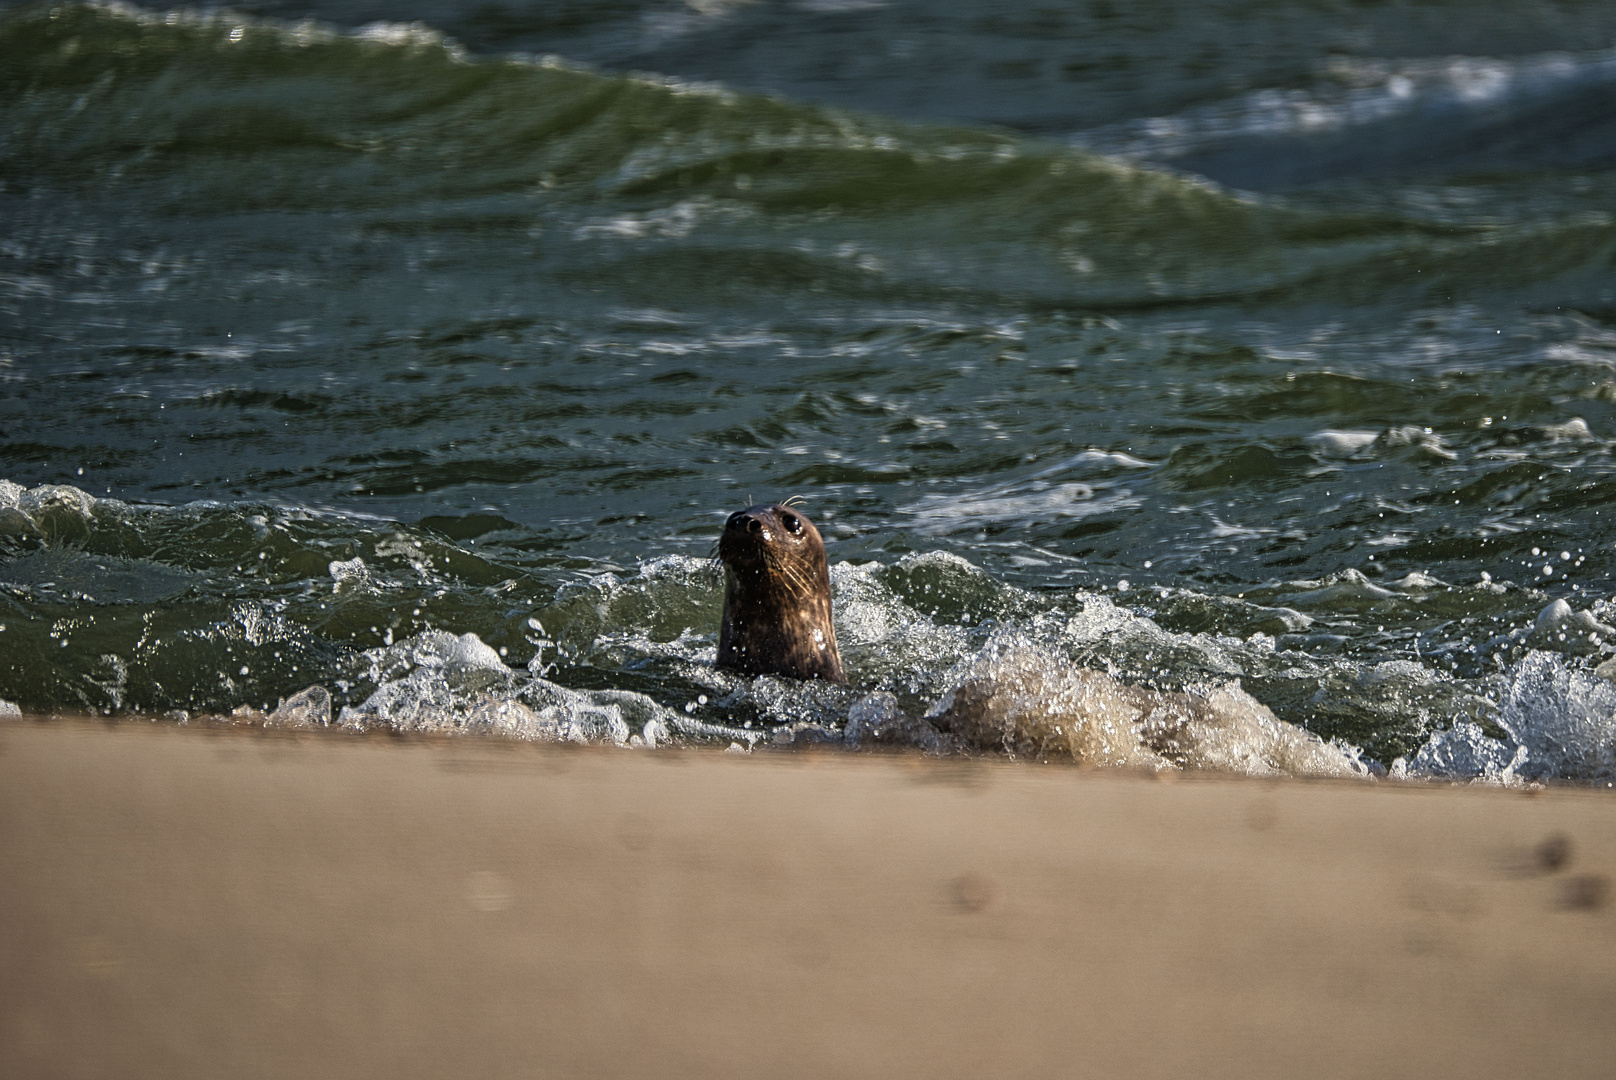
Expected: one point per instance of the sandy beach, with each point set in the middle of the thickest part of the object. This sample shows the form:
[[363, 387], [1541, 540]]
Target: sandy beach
[[188, 903]]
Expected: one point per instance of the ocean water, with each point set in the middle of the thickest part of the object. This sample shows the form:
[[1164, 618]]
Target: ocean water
[[396, 365]]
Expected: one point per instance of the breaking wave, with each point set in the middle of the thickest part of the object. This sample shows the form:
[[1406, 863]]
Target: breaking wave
[[212, 612]]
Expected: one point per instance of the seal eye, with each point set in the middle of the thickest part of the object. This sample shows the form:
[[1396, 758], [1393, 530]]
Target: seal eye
[[792, 522]]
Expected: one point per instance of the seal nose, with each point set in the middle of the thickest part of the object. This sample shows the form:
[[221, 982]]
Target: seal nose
[[743, 520]]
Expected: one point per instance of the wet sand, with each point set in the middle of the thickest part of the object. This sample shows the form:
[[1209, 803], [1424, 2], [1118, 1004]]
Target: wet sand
[[185, 903]]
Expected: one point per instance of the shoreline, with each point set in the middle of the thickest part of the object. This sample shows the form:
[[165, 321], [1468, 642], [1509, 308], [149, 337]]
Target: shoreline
[[249, 721], [191, 902]]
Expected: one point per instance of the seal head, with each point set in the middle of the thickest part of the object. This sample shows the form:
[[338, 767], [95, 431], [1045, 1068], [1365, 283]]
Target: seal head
[[777, 617]]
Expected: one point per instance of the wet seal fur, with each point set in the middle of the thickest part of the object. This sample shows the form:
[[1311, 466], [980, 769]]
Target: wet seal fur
[[777, 613]]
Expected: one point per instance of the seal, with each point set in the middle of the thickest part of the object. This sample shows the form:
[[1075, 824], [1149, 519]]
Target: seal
[[777, 615]]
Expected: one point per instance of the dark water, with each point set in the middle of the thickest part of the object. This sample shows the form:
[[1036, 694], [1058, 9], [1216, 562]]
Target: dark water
[[1198, 342]]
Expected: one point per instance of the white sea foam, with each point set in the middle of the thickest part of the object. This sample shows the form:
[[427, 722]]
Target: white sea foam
[[1022, 505], [1356, 93], [1420, 439], [1464, 752], [1556, 722], [308, 708], [1027, 701], [1573, 430], [443, 683], [1564, 629], [1342, 443], [348, 574]]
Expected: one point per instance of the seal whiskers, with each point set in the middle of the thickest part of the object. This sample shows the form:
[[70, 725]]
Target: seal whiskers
[[777, 610]]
